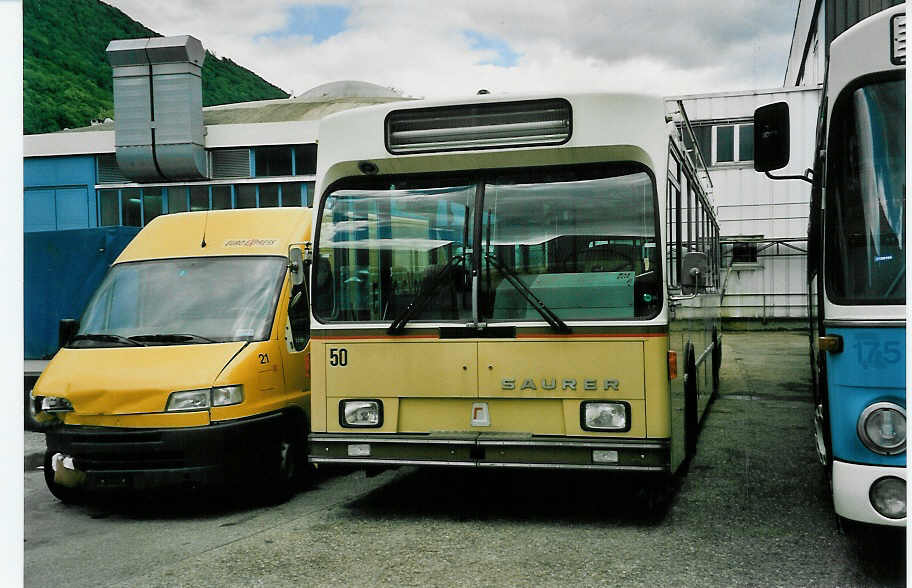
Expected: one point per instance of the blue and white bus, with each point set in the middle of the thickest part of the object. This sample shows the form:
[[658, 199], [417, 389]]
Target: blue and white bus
[[856, 265]]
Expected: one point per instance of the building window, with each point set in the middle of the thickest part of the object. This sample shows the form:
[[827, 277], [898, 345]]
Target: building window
[[108, 208], [177, 199], [305, 159], [199, 197], [734, 143], [269, 195], [151, 204], [246, 196], [744, 252], [221, 197], [272, 161]]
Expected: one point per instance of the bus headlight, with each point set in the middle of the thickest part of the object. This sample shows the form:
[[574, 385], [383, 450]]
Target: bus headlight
[[882, 428], [888, 497], [360, 413], [55, 404], [605, 416]]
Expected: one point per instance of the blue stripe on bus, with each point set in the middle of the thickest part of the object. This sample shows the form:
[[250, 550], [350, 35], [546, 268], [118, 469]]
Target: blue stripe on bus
[[871, 368]]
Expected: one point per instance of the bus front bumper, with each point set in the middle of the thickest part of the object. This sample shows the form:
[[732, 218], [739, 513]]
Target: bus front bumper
[[491, 450], [852, 491], [109, 458]]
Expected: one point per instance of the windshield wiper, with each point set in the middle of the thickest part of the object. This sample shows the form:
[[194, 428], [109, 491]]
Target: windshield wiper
[[172, 338], [107, 337], [556, 323], [426, 291]]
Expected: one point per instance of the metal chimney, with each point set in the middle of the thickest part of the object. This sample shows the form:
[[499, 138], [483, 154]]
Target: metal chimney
[[158, 108]]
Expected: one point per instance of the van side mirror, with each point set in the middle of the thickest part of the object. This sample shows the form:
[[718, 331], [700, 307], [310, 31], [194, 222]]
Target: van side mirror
[[66, 330], [298, 262], [771, 137], [694, 268]]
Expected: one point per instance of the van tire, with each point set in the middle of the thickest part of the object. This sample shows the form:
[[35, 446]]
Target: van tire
[[64, 494], [288, 467]]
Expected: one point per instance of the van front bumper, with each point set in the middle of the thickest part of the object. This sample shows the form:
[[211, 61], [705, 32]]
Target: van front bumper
[[491, 450], [136, 459]]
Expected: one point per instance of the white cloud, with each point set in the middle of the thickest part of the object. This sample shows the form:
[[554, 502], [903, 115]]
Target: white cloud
[[666, 47]]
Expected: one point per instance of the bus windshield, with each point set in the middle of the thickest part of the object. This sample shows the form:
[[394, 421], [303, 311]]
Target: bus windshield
[[866, 196], [579, 241], [181, 301]]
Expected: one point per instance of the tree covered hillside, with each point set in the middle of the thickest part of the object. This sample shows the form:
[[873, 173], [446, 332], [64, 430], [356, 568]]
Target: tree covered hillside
[[66, 76]]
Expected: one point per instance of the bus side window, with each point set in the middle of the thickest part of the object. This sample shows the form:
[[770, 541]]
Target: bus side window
[[299, 317]]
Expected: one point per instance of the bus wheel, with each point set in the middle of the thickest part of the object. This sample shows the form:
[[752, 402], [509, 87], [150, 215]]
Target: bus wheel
[[717, 361], [690, 402], [64, 494]]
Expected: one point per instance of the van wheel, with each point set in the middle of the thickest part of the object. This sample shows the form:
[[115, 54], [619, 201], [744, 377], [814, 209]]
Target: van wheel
[[690, 402], [64, 494], [288, 462]]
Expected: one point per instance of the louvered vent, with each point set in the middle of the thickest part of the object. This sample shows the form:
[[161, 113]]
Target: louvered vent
[[898, 45], [109, 172], [230, 163], [479, 126]]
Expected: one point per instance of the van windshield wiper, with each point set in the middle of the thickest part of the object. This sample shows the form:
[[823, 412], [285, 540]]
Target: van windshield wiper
[[172, 338], [107, 337], [556, 323], [426, 291]]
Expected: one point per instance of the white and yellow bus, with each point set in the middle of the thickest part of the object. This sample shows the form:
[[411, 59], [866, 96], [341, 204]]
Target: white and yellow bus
[[512, 282]]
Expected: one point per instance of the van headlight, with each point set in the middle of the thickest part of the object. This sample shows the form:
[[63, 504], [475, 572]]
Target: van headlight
[[882, 428], [605, 416], [360, 413], [204, 398], [55, 404]]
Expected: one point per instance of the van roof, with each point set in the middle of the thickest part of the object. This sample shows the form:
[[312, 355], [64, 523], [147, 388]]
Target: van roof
[[256, 231]]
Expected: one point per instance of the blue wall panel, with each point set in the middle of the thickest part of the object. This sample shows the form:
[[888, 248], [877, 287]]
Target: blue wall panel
[[40, 210], [59, 193], [61, 271]]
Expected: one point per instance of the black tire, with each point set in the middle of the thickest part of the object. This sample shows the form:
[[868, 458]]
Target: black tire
[[691, 423], [31, 424], [289, 470], [64, 494], [717, 361]]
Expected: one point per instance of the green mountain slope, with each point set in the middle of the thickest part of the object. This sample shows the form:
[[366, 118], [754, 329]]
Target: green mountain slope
[[66, 76]]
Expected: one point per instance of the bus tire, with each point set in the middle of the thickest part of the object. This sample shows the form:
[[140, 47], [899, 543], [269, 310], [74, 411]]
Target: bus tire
[[717, 362], [691, 423], [64, 494]]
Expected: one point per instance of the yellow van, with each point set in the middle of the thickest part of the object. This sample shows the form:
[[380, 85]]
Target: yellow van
[[190, 365]]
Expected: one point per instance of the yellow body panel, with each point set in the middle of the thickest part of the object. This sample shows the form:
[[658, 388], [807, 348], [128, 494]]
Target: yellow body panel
[[431, 386], [131, 380], [405, 369]]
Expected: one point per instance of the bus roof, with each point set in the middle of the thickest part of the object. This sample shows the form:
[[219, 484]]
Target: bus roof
[[256, 231], [633, 125]]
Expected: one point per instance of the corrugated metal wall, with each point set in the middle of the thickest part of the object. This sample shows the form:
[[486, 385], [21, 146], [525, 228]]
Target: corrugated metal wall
[[842, 14], [751, 204]]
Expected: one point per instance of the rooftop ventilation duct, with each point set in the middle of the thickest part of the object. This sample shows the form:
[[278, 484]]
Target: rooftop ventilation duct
[[158, 108]]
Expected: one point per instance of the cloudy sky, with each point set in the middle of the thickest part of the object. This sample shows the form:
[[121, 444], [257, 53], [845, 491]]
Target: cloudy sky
[[437, 48]]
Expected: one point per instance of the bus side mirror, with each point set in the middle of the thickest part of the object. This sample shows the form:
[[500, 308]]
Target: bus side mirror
[[694, 268], [66, 329], [771, 137]]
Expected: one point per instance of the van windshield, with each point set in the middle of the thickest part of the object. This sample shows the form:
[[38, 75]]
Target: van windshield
[[182, 301]]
